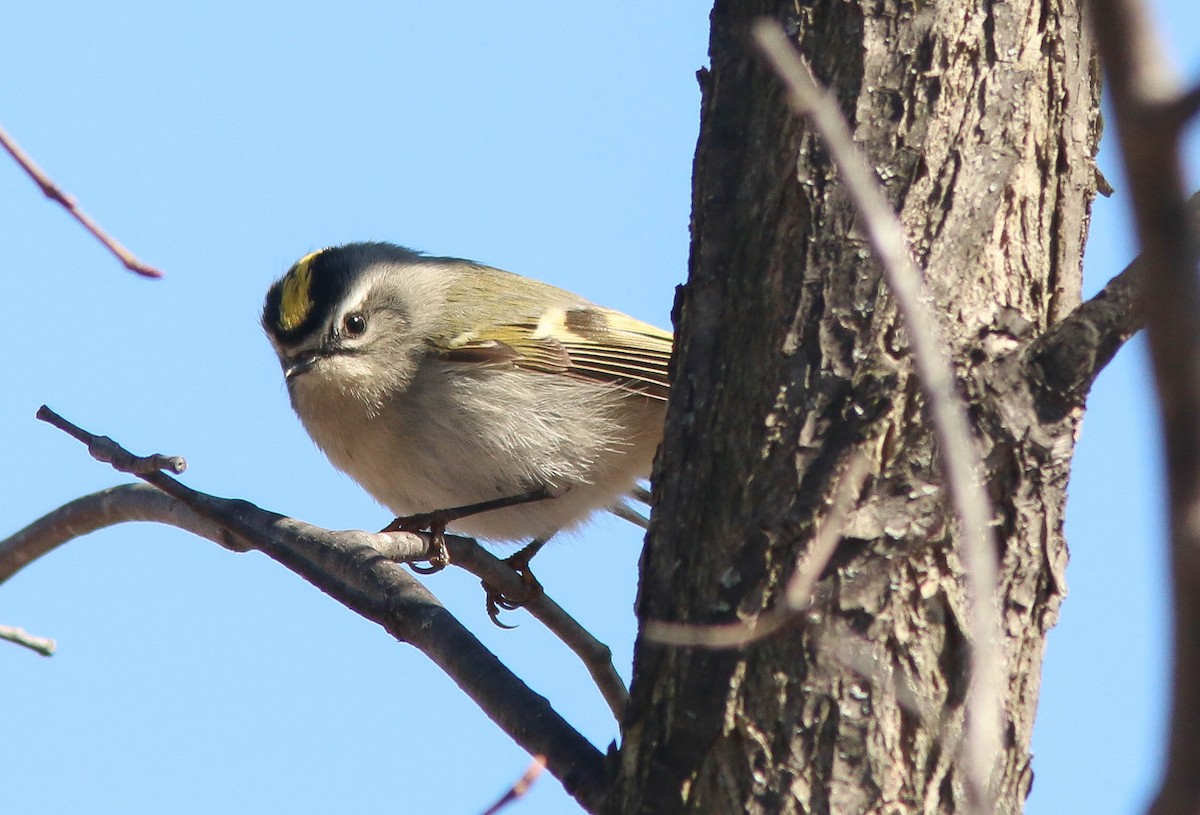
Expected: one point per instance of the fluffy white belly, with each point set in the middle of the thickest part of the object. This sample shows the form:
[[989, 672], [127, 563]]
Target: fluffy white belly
[[454, 438]]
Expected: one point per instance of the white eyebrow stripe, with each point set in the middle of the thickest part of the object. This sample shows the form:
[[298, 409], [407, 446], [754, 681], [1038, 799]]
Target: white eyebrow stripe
[[358, 293]]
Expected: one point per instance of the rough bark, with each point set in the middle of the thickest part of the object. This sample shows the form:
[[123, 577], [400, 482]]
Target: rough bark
[[981, 120]]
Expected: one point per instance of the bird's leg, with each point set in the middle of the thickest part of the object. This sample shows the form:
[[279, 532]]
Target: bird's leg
[[519, 563], [628, 513], [436, 522]]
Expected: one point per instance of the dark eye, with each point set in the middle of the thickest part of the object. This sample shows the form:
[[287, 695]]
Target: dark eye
[[355, 324]]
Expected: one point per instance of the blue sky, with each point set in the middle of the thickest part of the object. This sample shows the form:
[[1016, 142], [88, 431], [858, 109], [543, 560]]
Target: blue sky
[[221, 144]]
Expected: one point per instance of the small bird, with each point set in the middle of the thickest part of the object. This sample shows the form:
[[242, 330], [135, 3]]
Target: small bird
[[437, 382]]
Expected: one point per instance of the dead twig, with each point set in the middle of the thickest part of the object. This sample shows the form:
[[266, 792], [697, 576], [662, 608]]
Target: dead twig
[[20, 636], [107, 451], [521, 787], [464, 552], [358, 569], [55, 193], [595, 655]]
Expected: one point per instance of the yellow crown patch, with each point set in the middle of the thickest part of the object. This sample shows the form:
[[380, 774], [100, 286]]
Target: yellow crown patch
[[295, 301]]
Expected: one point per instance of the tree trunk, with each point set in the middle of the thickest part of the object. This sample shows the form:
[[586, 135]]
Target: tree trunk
[[981, 120]]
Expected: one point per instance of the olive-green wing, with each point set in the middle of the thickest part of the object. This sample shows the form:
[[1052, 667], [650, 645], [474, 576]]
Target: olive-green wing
[[585, 341]]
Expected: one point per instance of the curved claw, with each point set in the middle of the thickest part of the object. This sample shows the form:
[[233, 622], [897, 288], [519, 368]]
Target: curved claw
[[432, 568], [519, 563], [496, 602]]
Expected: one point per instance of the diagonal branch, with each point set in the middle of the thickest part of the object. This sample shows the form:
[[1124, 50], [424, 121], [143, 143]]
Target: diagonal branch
[[56, 194], [1064, 362], [464, 552], [595, 655], [358, 569], [520, 788]]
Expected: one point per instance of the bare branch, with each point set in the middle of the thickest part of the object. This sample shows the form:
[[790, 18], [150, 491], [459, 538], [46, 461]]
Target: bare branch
[[464, 552], [1062, 364], [1149, 105], [128, 502], [42, 645], [357, 569], [107, 451], [55, 193], [1065, 361], [134, 502], [595, 655], [522, 786], [959, 455]]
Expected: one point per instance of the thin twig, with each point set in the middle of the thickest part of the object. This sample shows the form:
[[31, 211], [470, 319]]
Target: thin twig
[[1150, 111], [41, 645], [959, 455], [55, 193], [357, 569], [107, 451], [798, 592], [595, 655], [464, 552], [521, 787]]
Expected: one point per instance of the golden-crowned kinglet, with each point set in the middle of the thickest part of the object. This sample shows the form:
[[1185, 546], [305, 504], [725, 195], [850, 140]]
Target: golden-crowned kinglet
[[437, 382]]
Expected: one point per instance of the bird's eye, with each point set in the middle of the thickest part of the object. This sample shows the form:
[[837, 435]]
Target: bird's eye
[[355, 324]]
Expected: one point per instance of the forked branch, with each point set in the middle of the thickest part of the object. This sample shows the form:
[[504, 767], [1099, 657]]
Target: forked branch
[[358, 569]]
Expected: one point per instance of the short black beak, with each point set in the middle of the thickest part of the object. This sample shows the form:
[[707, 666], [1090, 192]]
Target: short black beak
[[300, 364]]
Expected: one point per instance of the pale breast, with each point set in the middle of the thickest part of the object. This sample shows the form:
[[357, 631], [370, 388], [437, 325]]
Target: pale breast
[[458, 437]]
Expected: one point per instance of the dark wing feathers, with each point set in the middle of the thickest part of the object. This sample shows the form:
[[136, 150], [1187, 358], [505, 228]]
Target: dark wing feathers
[[584, 341]]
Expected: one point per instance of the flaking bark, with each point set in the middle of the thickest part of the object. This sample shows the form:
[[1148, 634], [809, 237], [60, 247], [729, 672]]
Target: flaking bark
[[981, 121]]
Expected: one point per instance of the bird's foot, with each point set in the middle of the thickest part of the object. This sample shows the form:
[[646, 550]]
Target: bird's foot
[[435, 524], [497, 601]]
